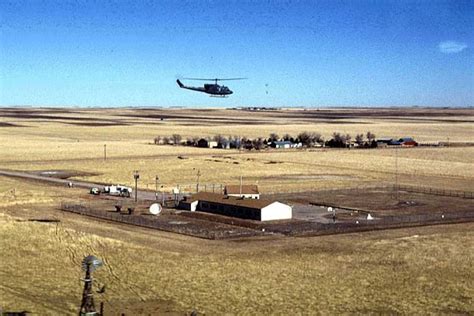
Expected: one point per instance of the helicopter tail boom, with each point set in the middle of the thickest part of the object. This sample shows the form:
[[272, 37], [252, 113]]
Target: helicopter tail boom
[[181, 85]]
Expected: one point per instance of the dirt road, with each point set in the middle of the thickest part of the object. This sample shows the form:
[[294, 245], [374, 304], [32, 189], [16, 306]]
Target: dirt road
[[141, 195]]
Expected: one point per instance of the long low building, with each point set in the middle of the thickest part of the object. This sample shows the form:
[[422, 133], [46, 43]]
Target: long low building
[[260, 210]]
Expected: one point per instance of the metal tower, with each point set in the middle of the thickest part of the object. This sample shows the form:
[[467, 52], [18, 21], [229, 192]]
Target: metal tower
[[89, 264]]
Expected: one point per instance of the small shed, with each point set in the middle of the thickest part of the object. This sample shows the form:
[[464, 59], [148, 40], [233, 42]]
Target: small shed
[[243, 191]]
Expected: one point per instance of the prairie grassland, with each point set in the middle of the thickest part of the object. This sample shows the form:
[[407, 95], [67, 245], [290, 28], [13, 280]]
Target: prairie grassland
[[409, 271], [63, 140]]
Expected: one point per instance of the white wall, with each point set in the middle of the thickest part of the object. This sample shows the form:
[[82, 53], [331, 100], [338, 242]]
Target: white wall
[[246, 196], [194, 206], [276, 211]]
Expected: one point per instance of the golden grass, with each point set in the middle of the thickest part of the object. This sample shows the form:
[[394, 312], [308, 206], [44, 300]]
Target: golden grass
[[408, 271], [57, 145]]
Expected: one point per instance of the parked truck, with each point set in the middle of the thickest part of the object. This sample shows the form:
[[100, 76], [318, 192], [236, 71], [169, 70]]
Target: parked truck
[[118, 190]]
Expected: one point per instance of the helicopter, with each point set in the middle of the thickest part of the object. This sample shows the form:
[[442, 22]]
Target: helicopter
[[213, 89]]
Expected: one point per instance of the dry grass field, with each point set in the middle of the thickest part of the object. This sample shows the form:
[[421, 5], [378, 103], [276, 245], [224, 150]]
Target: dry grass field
[[424, 270], [39, 139]]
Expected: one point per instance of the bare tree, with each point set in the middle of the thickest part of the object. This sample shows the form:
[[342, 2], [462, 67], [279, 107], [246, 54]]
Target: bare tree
[[338, 137], [305, 138], [348, 138], [235, 141], [257, 143], [157, 140], [370, 137], [219, 138], [338, 141], [359, 139], [176, 138], [316, 138], [166, 140], [287, 137], [247, 143], [273, 137], [309, 139]]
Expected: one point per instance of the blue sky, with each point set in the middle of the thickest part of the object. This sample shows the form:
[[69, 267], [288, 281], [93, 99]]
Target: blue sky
[[295, 53]]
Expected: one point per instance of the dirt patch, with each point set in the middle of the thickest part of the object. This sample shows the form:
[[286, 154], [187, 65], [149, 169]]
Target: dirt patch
[[98, 124], [383, 202], [148, 307], [6, 124], [63, 174]]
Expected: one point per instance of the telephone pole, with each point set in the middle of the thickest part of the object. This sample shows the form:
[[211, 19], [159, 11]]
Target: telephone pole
[[156, 187], [105, 151], [396, 173], [240, 193], [136, 176], [198, 176]]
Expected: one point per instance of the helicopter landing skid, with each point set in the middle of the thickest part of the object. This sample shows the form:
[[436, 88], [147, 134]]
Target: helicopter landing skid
[[218, 96]]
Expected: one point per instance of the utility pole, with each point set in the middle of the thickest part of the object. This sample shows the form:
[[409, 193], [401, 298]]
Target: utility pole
[[396, 173], [240, 193], [162, 197], [156, 187], [198, 176], [136, 176], [105, 151]]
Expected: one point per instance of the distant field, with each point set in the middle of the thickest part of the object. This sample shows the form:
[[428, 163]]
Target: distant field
[[426, 270], [36, 139], [408, 271]]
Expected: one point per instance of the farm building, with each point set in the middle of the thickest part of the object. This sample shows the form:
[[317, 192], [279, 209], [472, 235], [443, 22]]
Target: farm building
[[243, 191], [404, 141], [407, 142], [285, 144], [260, 210], [384, 142], [206, 143]]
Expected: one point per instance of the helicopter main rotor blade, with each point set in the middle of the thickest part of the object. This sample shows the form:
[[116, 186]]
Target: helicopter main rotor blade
[[226, 79], [214, 79]]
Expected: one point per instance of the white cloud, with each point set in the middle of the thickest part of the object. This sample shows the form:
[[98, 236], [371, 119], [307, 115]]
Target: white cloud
[[451, 47]]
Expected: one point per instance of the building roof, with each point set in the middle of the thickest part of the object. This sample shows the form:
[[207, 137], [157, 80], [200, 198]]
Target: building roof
[[246, 189], [406, 139], [230, 200], [286, 142]]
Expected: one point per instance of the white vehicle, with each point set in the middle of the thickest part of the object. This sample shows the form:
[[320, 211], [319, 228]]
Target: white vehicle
[[118, 190]]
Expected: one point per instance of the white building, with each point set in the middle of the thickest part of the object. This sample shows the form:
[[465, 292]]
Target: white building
[[254, 209], [286, 145]]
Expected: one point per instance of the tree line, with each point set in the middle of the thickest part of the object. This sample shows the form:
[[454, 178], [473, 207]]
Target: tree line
[[307, 139]]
